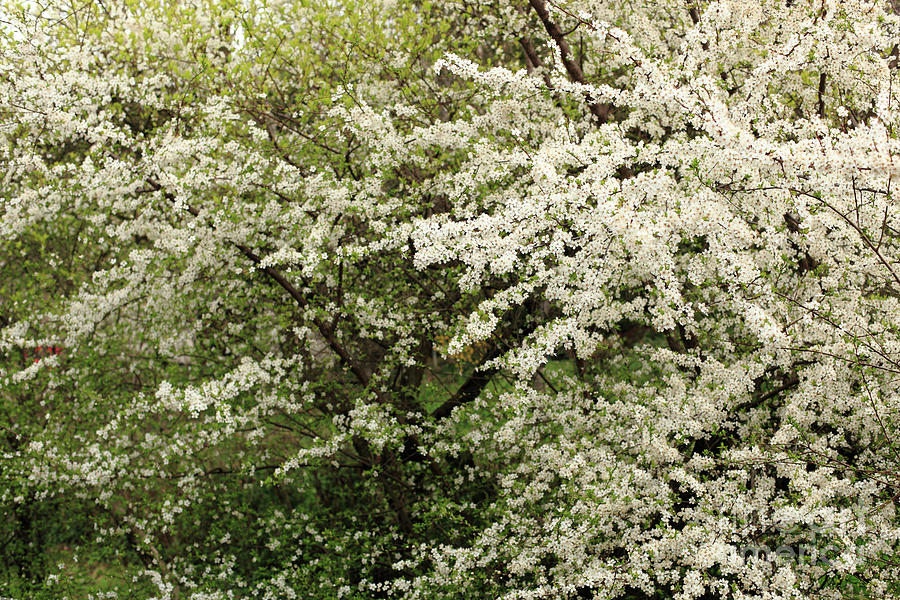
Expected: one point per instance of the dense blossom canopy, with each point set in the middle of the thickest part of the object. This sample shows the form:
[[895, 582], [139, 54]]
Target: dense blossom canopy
[[415, 299]]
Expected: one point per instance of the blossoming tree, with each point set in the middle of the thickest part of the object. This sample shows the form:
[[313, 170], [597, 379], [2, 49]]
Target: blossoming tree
[[411, 299]]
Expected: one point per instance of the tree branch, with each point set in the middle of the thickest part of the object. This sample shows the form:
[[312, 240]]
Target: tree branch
[[822, 81], [469, 390], [280, 279], [601, 111]]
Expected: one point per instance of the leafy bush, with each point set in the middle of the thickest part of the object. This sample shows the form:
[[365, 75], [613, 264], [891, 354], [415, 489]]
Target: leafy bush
[[441, 299]]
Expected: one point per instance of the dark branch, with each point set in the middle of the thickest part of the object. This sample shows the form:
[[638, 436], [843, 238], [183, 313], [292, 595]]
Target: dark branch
[[468, 391], [601, 111], [281, 280], [822, 80]]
